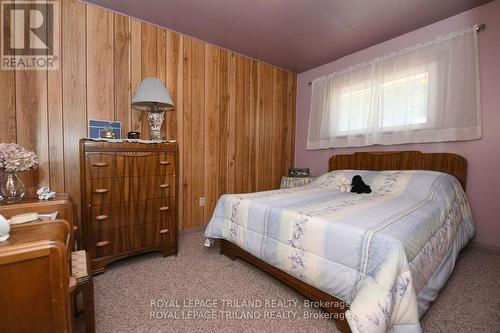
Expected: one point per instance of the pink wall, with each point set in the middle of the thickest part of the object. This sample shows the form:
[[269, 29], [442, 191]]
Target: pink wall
[[483, 187]]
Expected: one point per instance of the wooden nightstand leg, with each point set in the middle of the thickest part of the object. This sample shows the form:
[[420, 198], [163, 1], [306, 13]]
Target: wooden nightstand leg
[[88, 306]]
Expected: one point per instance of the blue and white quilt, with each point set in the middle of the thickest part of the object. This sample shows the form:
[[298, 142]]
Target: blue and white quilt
[[386, 253]]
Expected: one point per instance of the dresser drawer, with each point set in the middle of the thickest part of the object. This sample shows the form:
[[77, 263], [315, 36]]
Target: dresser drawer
[[166, 164], [119, 215], [162, 233], [112, 242], [102, 191], [133, 238], [100, 165], [129, 164], [166, 232]]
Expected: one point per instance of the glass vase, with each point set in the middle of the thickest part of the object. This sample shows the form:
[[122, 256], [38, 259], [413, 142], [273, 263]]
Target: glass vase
[[12, 189]]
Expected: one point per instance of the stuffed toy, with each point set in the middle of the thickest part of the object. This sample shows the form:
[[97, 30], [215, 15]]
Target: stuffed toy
[[344, 185], [359, 186]]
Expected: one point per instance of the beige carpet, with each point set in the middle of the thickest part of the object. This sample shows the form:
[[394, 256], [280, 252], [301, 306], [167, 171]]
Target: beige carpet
[[470, 302]]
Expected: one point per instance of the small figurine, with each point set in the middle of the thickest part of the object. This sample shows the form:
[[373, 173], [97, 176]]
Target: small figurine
[[108, 132], [44, 193], [4, 229], [344, 185], [359, 186]]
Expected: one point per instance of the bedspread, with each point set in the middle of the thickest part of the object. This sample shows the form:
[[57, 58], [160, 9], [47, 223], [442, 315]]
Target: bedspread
[[375, 251]]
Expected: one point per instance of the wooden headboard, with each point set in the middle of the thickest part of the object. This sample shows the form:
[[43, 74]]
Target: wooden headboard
[[452, 164]]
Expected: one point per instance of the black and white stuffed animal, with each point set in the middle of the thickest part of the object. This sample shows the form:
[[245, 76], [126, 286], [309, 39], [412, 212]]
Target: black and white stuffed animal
[[359, 186]]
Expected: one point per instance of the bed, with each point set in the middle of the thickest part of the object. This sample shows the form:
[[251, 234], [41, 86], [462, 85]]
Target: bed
[[376, 260]]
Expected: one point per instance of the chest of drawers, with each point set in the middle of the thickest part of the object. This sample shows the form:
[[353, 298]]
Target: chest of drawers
[[129, 199]]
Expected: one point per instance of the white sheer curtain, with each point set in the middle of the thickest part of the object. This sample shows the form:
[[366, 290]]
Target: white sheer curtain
[[427, 93]]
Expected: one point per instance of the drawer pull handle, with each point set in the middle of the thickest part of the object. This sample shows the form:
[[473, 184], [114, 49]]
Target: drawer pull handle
[[164, 208], [100, 164], [164, 231], [102, 243], [164, 162], [101, 217], [101, 191], [164, 186]]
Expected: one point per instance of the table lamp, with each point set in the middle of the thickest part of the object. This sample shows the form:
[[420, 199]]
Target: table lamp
[[152, 97]]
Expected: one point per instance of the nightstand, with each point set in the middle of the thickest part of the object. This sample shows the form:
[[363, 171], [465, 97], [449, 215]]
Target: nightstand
[[288, 182]]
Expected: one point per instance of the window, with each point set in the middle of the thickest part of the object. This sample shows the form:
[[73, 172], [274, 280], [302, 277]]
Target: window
[[403, 102], [416, 87], [428, 93]]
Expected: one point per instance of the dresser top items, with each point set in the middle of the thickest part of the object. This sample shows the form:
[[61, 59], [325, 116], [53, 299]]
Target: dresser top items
[[127, 140], [101, 145]]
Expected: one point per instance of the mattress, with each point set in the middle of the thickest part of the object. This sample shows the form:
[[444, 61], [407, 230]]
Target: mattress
[[387, 253]]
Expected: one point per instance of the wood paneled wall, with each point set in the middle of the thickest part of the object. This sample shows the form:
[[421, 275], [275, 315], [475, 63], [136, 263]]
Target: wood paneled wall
[[234, 117]]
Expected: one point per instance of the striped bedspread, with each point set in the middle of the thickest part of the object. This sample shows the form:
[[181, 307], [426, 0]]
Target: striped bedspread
[[387, 253]]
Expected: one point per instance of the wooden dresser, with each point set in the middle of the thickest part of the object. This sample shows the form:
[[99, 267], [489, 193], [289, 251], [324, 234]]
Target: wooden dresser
[[129, 199], [34, 275]]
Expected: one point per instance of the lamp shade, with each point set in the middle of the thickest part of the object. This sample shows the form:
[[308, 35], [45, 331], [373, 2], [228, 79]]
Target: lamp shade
[[152, 92]]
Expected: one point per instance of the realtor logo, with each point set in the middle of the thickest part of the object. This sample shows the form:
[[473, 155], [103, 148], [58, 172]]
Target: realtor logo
[[30, 35]]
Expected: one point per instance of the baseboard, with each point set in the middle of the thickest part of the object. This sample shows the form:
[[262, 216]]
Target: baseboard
[[485, 248], [192, 230]]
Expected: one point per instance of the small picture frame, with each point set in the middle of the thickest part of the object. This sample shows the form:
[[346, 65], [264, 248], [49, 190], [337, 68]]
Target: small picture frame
[[298, 172], [96, 127]]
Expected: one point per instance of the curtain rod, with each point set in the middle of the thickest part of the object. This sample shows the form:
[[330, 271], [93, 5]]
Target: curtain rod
[[477, 28]]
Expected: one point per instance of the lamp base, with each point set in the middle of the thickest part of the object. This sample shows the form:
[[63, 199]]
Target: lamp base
[[155, 120]]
